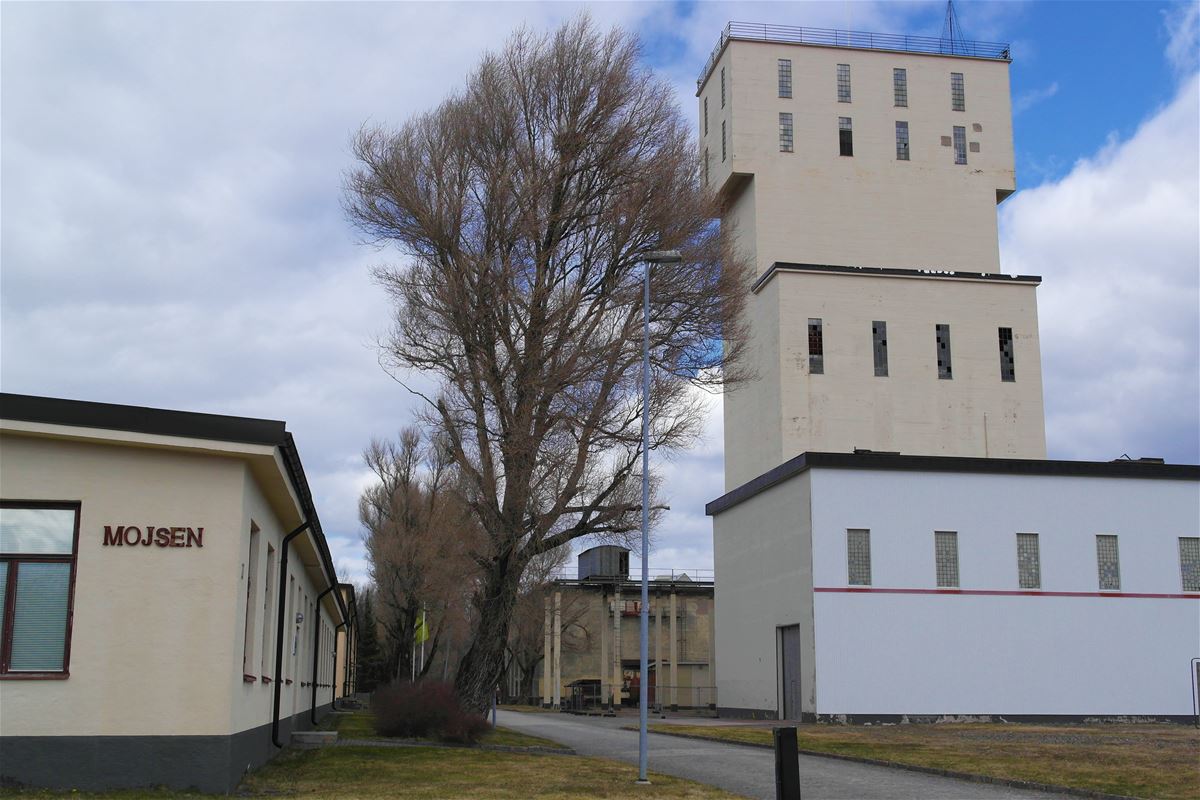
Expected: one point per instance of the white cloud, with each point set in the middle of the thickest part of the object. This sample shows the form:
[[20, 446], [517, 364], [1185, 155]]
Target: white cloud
[[1031, 98], [1118, 244], [1183, 29]]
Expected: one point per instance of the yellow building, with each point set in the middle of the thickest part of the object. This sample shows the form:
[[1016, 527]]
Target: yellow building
[[170, 602], [591, 656]]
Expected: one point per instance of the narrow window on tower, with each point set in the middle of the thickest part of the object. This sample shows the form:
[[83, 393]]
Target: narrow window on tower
[[1108, 563], [845, 136], [706, 166], [722, 140], [722, 87], [902, 141], [706, 116], [1189, 562], [960, 145], [1029, 561], [1008, 370], [945, 545], [816, 348], [843, 83], [958, 98], [858, 557], [879, 347], [785, 132], [900, 87], [943, 352], [785, 77]]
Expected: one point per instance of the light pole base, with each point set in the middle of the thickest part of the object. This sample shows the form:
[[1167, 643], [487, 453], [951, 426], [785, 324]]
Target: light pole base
[[642, 783]]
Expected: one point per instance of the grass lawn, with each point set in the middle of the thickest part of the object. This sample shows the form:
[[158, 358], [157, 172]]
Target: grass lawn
[[526, 709], [1151, 761], [418, 773], [360, 725]]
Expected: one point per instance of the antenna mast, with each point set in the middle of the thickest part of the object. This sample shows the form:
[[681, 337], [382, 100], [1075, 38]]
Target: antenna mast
[[953, 40]]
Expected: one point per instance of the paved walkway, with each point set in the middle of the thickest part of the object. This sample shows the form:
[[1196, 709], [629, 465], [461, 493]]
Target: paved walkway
[[750, 771]]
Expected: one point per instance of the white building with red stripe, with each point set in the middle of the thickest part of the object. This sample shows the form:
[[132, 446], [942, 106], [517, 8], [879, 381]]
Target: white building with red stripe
[[834, 601]]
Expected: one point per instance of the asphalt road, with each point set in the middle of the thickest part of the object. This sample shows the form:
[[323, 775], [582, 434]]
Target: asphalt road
[[750, 771]]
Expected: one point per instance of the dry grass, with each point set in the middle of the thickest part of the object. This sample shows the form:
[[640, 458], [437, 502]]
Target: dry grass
[[361, 725], [1151, 761], [521, 709], [427, 773], [419, 773], [351, 725]]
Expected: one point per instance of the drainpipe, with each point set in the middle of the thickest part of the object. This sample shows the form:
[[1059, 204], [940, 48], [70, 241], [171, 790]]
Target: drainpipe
[[312, 714], [279, 628]]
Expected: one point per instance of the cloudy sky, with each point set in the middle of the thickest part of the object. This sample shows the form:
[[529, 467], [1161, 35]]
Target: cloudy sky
[[171, 232]]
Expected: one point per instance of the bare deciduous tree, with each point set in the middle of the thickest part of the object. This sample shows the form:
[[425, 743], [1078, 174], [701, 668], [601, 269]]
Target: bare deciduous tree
[[523, 205], [419, 540]]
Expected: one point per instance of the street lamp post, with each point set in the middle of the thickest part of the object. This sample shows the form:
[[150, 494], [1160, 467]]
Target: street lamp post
[[652, 257]]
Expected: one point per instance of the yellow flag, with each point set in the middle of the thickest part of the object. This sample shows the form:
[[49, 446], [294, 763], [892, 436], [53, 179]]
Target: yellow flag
[[421, 634]]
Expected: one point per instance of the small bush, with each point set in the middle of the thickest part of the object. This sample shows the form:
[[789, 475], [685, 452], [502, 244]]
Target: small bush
[[427, 710]]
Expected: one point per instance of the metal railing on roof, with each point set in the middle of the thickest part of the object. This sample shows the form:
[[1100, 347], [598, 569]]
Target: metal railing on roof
[[935, 45], [699, 575]]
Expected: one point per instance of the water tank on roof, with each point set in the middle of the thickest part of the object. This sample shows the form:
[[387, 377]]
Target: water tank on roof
[[605, 561]]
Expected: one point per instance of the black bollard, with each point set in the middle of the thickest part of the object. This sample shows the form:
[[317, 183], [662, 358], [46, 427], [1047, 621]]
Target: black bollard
[[787, 764]]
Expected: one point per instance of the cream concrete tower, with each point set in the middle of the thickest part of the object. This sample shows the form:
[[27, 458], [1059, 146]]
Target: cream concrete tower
[[861, 173]]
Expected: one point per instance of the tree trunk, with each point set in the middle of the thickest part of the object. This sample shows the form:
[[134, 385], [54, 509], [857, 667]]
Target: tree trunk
[[527, 680], [482, 664]]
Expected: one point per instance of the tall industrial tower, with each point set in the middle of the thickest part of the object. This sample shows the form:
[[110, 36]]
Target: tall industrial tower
[[861, 173]]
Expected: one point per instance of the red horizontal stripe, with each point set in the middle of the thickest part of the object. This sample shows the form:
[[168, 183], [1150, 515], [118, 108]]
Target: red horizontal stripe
[[1004, 592]]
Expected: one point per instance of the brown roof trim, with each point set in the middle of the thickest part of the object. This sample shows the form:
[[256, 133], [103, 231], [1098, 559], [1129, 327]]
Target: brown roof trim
[[992, 466], [896, 272], [139, 419]]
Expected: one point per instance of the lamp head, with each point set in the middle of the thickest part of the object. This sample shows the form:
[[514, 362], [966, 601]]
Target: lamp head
[[662, 256]]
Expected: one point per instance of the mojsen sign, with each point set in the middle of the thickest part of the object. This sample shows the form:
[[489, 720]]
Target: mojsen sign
[[133, 536]]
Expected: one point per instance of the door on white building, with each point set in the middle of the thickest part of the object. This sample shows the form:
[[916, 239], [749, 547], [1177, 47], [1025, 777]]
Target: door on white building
[[789, 668]]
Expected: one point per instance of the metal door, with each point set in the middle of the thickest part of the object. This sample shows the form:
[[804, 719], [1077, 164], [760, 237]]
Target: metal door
[[789, 643]]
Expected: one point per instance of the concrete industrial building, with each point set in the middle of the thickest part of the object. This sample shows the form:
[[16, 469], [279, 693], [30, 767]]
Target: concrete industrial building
[[171, 605], [893, 541], [873, 244], [590, 653]]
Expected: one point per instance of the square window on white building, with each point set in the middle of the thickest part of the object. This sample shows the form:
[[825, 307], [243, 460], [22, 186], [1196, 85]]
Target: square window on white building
[[858, 557], [1108, 563], [785, 132], [942, 340], [1008, 367], [816, 347], [879, 347], [1029, 561], [901, 141], [958, 97], [900, 87], [1189, 562], [945, 545], [785, 77], [960, 144]]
